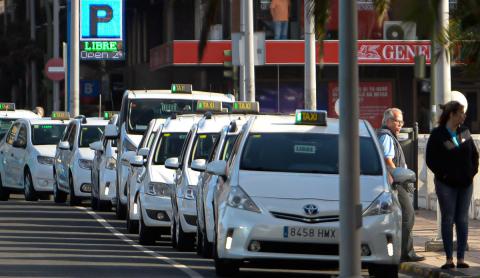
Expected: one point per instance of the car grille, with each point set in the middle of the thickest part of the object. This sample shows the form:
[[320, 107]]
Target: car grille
[[299, 248], [306, 219]]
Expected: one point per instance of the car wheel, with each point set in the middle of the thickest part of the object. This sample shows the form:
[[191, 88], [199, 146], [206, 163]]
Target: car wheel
[[379, 270], [146, 235], [173, 232], [199, 241], [4, 192], [29, 191], [58, 195], [104, 205], [132, 225], [120, 209], [185, 241], [74, 200], [94, 203], [207, 247]]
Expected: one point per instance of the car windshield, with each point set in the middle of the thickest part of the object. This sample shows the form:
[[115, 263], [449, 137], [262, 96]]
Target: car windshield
[[169, 145], [202, 146], [47, 134], [89, 134], [303, 153], [5, 125]]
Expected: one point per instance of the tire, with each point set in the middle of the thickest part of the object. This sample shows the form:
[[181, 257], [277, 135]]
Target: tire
[[185, 242], [199, 241], [173, 232], [120, 210], [132, 225], [207, 247], [227, 268], [74, 200], [29, 190], [4, 192], [104, 205], [94, 203], [146, 235], [377, 270], [59, 196]]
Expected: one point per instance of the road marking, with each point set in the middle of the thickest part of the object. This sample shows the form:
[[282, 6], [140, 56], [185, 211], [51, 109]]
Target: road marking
[[190, 272]]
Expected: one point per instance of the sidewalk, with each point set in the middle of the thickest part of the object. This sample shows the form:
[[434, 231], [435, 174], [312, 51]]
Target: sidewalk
[[424, 230]]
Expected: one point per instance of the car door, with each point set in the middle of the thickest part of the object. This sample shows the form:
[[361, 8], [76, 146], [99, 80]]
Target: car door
[[6, 151], [60, 161], [69, 155], [18, 152]]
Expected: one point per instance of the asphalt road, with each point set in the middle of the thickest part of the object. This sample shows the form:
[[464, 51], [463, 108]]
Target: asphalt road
[[42, 239]]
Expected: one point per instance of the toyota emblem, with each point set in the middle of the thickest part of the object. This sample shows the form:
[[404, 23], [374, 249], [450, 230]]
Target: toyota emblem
[[310, 209]]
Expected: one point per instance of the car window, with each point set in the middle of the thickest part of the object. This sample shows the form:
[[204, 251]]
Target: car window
[[5, 124], [71, 135], [89, 134], [168, 146], [66, 133], [227, 147], [12, 133], [184, 148], [22, 135], [47, 134], [303, 153], [215, 150], [202, 146], [150, 139]]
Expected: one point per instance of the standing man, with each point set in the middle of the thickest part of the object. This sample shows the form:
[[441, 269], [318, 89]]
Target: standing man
[[392, 122], [280, 12]]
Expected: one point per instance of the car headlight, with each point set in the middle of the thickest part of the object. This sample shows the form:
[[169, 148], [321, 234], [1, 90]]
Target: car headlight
[[237, 198], [45, 160], [384, 204], [111, 163], [85, 164], [189, 192], [129, 146], [158, 189]]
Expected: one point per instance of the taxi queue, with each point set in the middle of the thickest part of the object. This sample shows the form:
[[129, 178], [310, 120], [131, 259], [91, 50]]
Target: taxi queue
[[237, 186]]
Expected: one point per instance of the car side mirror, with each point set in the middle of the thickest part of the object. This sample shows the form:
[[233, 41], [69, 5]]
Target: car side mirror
[[403, 175], [96, 146], [143, 152], [217, 167], [172, 163], [64, 145], [137, 161], [199, 165], [126, 157], [111, 132]]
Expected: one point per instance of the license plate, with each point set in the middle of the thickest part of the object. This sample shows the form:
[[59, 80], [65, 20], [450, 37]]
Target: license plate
[[309, 233]]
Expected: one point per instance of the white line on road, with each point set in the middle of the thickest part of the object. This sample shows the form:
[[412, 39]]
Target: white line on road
[[190, 272]]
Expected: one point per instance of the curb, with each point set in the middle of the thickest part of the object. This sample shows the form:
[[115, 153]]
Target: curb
[[422, 270]]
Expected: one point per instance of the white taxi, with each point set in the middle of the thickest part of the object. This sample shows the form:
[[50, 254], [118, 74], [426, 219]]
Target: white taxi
[[8, 114], [154, 194], [138, 108], [73, 159], [27, 154], [103, 167], [198, 145], [278, 195]]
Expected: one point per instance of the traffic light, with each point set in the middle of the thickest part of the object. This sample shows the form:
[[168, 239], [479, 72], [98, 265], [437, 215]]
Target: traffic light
[[227, 64]]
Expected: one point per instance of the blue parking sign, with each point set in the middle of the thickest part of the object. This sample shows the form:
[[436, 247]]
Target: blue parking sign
[[89, 88], [101, 20]]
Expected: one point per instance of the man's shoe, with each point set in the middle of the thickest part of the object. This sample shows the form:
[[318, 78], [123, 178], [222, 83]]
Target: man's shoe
[[413, 258]]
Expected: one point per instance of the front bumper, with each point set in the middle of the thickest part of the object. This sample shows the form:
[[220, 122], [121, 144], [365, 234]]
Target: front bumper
[[107, 180], [155, 207], [42, 177], [243, 227], [187, 210], [81, 179]]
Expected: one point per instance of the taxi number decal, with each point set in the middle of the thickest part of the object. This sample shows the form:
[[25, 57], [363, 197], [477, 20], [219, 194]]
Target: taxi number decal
[[302, 232], [304, 149]]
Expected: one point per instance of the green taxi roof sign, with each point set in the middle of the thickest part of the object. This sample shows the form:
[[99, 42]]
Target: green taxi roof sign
[[60, 115], [208, 105], [244, 107], [311, 117], [181, 88], [107, 115], [7, 106]]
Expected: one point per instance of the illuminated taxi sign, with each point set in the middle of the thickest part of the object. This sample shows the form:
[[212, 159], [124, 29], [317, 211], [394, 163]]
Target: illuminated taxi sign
[[107, 115], [311, 117], [245, 107], [60, 115], [181, 88], [206, 105], [7, 106]]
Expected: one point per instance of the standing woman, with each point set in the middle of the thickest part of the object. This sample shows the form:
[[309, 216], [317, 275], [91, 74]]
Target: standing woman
[[453, 158]]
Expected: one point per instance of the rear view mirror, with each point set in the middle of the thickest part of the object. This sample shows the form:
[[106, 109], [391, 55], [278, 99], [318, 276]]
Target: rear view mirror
[[172, 163], [64, 145], [403, 175], [137, 161], [143, 152], [217, 167], [96, 146], [111, 131], [198, 165], [126, 157]]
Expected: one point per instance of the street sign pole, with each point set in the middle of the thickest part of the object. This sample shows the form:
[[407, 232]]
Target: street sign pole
[[74, 59], [56, 50]]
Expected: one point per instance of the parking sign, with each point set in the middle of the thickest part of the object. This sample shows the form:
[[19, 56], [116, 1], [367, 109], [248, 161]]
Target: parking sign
[[101, 29]]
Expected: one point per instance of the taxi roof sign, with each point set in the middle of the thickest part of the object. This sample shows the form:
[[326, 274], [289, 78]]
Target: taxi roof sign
[[181, 88], [107, 115], [245, 107], [208, 105], [7, 106], [60, 115], [311, 117]]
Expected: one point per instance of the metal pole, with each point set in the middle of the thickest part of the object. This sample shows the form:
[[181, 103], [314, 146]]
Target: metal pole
[[56, 50], [442, 64], [65, 66], [310, 58], [249, 52], [74, 59], [33, 64], [350, 207], [242, 64]]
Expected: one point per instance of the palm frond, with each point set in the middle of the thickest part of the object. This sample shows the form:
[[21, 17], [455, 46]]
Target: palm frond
[[381, 8], [320, 10], [208, 22]]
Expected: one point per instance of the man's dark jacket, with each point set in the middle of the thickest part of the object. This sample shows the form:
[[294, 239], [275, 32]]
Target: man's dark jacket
[[452, 165]]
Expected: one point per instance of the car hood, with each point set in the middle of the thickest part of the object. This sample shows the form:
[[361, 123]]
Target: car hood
[[86, 153], [305, 186], [159, 173], [46, 150]]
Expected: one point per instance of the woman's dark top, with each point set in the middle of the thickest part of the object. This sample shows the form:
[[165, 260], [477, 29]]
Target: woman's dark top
[[453, 165]]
